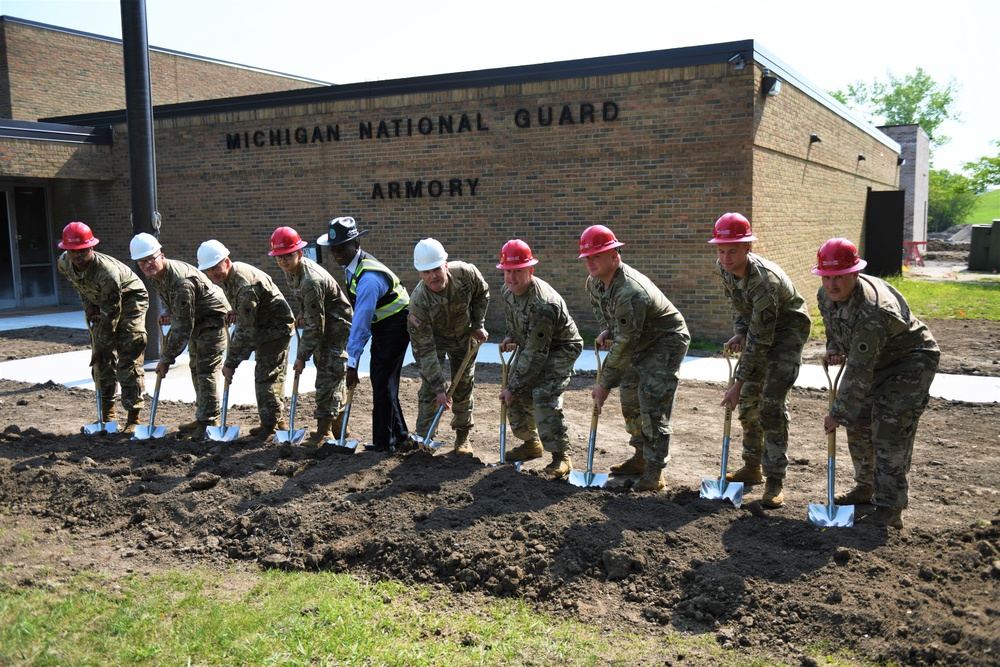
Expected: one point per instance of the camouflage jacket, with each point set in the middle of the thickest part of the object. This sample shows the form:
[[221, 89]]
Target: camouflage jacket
[[323, 306], [765, 305], [192, 300], [447, 318], [107, 284], [636, 313], [874, 329], [542, 327], [262, 314]]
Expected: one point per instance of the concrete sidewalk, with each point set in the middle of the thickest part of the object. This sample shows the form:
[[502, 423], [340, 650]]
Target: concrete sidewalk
[[71, 369]]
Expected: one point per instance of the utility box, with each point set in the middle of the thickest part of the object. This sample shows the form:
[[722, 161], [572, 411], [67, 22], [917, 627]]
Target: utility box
[[994, 259], [979, 247]]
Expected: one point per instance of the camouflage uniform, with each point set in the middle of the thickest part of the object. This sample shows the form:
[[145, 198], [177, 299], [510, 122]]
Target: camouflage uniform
[[327, 314], [772, 315], [541, 326], [120, 334], [891, 358], [198, 309], [263, 326], [650, 339], [440, 324]]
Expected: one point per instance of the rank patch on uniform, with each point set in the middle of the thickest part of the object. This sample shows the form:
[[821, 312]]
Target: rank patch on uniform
[[412, 319]]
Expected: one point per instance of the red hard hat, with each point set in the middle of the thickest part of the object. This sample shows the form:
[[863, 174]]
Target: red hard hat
[[732, 228], [285, 240], [595, 239], [516, 254], [77, 236], [837, 257]]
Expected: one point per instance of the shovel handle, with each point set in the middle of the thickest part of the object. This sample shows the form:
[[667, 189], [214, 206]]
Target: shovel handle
[[831, 438], [469, 355]]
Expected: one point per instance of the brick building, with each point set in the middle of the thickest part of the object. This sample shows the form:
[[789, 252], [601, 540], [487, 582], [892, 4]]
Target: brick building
[[655, 145]]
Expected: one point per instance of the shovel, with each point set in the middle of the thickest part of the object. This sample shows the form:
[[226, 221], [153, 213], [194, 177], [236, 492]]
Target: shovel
[[350, 446], [720, 489], [589, 478], [505, 364], [223, 433], [830, 515], [292, 436], [100, 426], [150, 431], [469, 355]]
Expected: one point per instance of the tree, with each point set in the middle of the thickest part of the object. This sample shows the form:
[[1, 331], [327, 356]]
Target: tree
[[914, 99], [985, 171], [951, 198]]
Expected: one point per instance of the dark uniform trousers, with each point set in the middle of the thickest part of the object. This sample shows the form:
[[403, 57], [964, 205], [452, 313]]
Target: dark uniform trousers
[[388, 348]]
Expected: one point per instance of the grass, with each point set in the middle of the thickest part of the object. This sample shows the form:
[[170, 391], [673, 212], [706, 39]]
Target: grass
[[987, 209], [211, 618]]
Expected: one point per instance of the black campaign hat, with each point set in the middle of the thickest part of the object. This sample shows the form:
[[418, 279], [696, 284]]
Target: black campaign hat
[[342, 230]]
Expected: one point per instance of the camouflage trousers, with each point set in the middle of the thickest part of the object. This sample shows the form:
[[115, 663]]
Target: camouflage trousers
[[269, 378], [206, 348], [763, 406], [648, 391], [881, 438], [331, 365], [124, 351], [538, 412], [461, 401]]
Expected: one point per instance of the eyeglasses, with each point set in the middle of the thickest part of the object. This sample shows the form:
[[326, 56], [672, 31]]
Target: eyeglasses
[[148, 261], [287, 257]]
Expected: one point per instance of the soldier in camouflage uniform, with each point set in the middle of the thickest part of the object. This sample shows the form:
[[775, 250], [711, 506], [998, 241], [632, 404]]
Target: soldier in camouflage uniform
[[539, 324], [115, 301], [647, 338], [771, 326], [263, 327], [325, 315], [447, 307], [890, 358], [195, 310]]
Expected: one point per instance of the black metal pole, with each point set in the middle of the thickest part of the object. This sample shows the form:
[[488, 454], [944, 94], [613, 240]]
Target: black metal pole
[[141, 151]]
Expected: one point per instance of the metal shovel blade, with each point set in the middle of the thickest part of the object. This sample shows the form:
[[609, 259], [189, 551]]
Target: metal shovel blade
[[100, 427], [831, 516], [720, 489], [291, 437], [222, 433], [342, 444], [146, 432], [585, 479]]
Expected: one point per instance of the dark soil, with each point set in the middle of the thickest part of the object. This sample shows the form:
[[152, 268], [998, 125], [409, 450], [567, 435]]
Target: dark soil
[[766, 582]]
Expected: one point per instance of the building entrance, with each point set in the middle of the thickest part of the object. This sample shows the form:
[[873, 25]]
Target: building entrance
[[27, 271]]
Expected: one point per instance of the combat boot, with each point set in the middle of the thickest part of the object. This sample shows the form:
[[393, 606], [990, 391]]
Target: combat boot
[[108, 410], [750, 473], [635, 465], [529, 449], [131, 422], [859, 495], [559, 467], [651, 480], [189, 427], [462, 446], [772, 498], [887, 517], [338, 426], [324, 430], [266, 431]]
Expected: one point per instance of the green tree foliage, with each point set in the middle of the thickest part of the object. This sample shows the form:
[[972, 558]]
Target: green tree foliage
[[985, 171], [913, 99], [951, 197]]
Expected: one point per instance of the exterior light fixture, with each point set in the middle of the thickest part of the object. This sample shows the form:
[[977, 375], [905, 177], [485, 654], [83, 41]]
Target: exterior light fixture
[[900, 161], [769, 85], [814, 138], [861, 157]]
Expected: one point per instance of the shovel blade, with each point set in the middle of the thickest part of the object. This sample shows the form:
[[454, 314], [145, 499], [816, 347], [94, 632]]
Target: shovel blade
[[291, 437], [145, 432], [718, 489], [343, 446], [587, 479], [831, 516], [222, 433], [101, 427], [433, 444]]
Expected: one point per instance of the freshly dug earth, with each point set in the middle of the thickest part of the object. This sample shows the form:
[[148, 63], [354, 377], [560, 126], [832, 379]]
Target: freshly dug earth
[[766, 582]]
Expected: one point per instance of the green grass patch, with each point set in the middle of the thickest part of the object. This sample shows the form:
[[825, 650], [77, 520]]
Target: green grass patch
[[987, 209]]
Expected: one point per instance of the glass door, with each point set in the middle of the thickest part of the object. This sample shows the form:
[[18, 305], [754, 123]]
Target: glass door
[[27, 270]]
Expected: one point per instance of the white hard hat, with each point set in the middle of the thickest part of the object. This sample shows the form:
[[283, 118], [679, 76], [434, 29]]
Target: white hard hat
[[143, 245], [210, 253], [428, 254]]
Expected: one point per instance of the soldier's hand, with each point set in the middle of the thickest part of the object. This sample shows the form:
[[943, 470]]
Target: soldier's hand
[[300, 322], [162, 368], [165, 319], [732, 397], [834, 357], [228, 373], [96, 358], [231, 317], [599, 394], [442, 398], [829, 425], [735, 344], [299, 365], [604, 340], [506, 396], [480, 335], [93, 314], [507, 344], [351, 377]]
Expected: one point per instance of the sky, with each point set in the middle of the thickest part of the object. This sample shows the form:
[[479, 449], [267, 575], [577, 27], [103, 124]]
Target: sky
[[354, 41]]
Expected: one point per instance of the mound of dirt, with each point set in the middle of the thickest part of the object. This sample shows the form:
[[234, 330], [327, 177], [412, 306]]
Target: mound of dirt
[[763, 581]]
